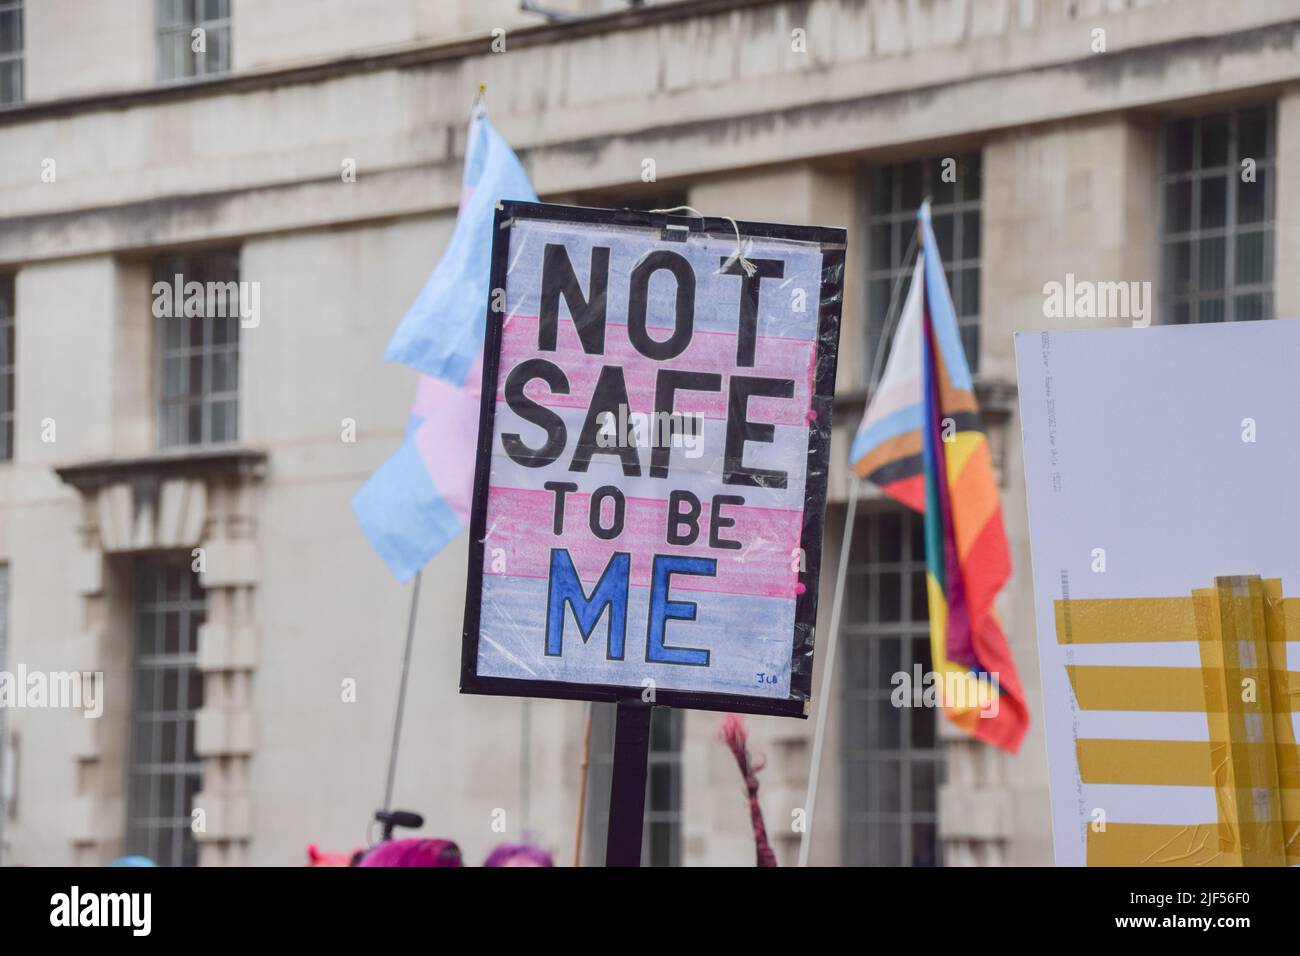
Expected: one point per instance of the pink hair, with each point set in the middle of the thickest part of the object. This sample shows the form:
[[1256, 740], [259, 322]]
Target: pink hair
[[732, 733], [518, 854], [413, 852]]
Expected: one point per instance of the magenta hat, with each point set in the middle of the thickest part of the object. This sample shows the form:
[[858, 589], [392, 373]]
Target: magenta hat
[[413, 852]]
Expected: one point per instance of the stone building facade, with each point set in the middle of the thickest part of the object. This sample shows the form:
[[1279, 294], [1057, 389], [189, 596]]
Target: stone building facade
[[1102, 139]]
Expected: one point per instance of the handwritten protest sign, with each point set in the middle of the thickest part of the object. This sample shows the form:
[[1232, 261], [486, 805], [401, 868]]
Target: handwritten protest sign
[[653, 441]]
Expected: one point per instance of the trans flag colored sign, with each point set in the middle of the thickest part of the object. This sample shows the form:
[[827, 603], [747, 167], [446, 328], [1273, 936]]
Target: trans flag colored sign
[[651, 475]]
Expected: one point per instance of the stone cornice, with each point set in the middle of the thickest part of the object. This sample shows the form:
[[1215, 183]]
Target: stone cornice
[[405, 57], [223, 464]]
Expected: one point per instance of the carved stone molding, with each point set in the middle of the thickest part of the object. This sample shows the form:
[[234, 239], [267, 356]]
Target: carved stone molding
[[221, 465], [199, 501]]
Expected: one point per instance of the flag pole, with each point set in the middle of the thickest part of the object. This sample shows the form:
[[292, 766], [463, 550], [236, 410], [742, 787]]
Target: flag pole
[[841, 575], [526, 764], [401, 693], [828, 673]]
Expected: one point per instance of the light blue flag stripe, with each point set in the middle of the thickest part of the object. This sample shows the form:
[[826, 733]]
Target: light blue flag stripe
[[908, 419], [401, 510], [442, 333], [939, 301], [402, 514]]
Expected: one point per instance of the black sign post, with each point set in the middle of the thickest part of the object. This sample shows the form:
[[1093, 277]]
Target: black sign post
[[627, 791]]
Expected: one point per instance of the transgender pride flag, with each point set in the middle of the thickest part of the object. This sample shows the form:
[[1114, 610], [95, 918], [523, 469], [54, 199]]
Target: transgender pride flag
[[922, 442], [419, 499]]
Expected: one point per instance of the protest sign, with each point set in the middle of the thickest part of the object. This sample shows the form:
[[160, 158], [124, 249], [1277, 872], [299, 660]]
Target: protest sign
[[1160, 466], [651, 475]]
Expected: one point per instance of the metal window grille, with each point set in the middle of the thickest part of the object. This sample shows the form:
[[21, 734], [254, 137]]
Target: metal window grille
[[177, 21], [198, 356], [6, 368], [11, 52], [165, 772], [897, 191], [893, 763], [661, 840], [1218, 185]]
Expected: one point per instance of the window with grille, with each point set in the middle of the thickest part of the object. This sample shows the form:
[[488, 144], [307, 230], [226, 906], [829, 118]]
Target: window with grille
[[11, 52], [198, 355], [165, 771], [7, 366], [893, 764], [1218, 187], [661, 840], [6, 771], [897, 191], [183, 25]]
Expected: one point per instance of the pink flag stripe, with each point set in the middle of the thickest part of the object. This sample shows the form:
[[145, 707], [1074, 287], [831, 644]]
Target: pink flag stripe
[[885, 403], [708, 352], [519, 523], [446, 443], [434, 393]]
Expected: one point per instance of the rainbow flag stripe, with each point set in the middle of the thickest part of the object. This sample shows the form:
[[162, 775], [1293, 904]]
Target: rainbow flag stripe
[[922, 442]]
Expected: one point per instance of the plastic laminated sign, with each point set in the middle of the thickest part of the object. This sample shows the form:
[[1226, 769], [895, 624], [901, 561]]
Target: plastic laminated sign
[[652, 459]]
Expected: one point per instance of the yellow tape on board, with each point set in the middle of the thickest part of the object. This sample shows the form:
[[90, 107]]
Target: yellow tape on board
[[1243, 687]]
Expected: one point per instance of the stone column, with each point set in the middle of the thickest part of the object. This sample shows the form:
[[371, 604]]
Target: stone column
[[224, 736], [1286, 204]]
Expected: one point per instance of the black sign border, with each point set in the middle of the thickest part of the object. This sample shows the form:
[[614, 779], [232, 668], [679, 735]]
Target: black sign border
[[832, 242]]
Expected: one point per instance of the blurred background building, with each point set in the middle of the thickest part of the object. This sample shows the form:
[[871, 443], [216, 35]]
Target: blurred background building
[[1105, 139]]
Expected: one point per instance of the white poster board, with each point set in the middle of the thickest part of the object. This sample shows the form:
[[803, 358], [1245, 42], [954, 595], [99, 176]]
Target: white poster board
[[1159, 463]]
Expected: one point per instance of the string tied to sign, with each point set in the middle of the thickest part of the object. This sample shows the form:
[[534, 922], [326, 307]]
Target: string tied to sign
[[738, 255]]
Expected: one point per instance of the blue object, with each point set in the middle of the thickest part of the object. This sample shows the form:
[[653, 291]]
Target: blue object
[[442, 332], [407, 511]]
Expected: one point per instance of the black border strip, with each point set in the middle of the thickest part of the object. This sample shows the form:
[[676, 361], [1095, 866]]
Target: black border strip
[[832, 242]]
